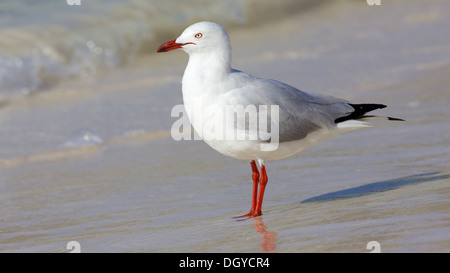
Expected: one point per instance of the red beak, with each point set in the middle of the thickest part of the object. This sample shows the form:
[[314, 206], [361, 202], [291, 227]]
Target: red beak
[[171, 45]]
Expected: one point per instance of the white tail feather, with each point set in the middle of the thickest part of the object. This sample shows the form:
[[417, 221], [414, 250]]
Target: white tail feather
[[353, 124]]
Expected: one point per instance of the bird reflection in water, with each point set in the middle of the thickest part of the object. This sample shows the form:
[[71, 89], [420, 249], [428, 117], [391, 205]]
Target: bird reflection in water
[[268, 237]]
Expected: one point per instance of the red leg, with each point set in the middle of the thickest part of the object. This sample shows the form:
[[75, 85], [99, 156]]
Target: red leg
[[262, 187], [255, 177]]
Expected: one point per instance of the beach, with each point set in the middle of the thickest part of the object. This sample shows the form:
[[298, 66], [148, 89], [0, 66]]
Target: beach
[[91, 158]]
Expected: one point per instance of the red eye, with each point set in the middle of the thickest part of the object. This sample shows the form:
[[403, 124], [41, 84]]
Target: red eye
[[198, 35]]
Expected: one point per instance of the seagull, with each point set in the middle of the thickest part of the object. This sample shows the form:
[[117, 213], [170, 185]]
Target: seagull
[[211, 89]]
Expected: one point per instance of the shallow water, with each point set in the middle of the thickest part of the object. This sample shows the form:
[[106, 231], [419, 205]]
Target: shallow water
[[135, 189], [48, 42]]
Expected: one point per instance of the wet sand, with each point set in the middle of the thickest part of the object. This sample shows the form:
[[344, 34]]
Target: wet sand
[[138, 190]]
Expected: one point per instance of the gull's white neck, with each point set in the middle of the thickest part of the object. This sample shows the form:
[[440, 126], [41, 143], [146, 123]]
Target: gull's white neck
[[206, 73]]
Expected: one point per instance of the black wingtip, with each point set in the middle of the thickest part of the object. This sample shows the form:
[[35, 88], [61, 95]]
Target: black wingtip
[[360, 110], [366, 107], [395, 119]]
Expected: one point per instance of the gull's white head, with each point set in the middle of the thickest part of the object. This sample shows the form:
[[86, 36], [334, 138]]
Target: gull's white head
[[200, 37]]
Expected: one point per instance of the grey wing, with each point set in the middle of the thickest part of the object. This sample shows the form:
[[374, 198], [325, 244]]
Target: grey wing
[[299, 114], [302, 113]]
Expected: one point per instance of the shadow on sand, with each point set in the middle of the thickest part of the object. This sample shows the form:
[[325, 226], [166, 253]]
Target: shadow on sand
[[269, 238], [378, 187]]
